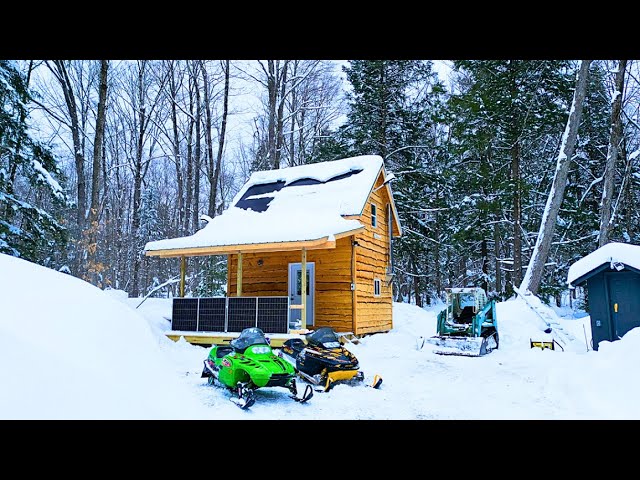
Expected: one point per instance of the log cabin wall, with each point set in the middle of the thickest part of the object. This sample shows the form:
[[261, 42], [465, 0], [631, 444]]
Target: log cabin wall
[[333, 296], [373, 313]]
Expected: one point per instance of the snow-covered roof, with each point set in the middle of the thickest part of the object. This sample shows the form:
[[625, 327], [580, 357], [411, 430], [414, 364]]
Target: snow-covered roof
[[612, 253], [294, 204]]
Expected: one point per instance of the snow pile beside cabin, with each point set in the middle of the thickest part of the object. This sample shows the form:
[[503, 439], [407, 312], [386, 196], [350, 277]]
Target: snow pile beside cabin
[[295, 212], [612, 253]]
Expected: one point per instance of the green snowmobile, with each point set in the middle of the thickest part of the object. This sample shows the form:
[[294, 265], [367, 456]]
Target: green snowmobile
[[248, 363]]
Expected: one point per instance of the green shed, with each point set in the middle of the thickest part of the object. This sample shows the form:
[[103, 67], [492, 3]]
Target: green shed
[[611, 275]]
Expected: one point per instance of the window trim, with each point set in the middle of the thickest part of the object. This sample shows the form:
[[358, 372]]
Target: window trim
[[378, 282], [374, 215]]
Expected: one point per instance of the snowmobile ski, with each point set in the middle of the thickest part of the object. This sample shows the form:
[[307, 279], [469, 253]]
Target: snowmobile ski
[[308, 393], [377, 381], [246, 397]]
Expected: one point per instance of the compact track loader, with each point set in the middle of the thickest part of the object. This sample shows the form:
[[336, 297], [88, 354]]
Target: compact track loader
[[468, 326]]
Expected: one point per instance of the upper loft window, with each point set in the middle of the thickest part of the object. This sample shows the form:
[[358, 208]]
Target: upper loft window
[[374, 216], [376, 287]]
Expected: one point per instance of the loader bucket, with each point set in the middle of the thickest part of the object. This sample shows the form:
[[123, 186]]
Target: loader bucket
[[462, 346]]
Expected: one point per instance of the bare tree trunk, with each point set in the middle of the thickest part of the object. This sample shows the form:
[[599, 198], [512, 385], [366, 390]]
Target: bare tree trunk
[[192, 121], [91, 267], [294, 115], [484, 253], [197, 161], [137, 193], [137, 178], [280, 121], [272, 91], [195, 157], [173, 91], [612, 156], [416, 284], [59, 70], [533, 275], [213, 192]]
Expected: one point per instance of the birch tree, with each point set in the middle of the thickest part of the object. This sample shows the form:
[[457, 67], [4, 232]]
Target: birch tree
[[533, 275]]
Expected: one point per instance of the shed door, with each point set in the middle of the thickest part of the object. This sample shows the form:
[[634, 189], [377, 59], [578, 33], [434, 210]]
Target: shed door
[[295, 293], [624, 290]]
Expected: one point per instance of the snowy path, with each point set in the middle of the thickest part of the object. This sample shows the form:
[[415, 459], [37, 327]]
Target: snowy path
[[513, 382]]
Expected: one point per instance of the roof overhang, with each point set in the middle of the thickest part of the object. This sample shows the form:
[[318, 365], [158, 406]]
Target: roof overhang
[[322, 243], [605, 267]]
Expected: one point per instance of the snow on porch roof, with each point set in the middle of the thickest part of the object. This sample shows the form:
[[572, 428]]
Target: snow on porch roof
[[296, 204], [610, 253]]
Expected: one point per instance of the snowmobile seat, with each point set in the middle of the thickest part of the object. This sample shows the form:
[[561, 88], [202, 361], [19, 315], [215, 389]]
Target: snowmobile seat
[[465, 316], [222, 350]]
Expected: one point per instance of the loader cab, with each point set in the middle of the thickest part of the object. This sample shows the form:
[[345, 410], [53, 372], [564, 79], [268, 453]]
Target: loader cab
[[464, 303]]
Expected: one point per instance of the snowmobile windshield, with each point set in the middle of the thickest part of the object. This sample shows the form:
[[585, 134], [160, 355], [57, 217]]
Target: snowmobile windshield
[[248, 337], [324, 337]]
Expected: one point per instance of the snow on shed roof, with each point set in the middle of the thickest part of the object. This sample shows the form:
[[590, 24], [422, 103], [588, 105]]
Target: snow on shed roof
[[611, 253], [292, 204]]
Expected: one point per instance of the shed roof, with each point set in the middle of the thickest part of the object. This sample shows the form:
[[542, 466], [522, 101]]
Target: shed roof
[[301, 206], [612, 253]]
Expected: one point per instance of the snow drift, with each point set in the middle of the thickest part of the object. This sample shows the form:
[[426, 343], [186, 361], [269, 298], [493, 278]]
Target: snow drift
[[69, 351]]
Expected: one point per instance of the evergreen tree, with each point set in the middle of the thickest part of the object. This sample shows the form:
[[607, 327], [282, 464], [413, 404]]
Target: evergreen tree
[[31, 198], [509, 119], [394, 110]]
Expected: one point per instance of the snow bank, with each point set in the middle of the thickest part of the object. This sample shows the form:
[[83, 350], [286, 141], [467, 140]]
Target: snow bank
[[70, 351]]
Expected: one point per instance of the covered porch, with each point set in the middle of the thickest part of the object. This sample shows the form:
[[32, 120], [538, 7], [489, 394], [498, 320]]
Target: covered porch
[[271, 298]]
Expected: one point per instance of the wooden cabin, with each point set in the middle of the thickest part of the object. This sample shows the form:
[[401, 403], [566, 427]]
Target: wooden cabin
[[335, 220], [611, 275]]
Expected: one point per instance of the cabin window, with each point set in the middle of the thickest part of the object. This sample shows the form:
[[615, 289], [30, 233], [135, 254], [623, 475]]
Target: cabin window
[[374, 216], [376, 287]]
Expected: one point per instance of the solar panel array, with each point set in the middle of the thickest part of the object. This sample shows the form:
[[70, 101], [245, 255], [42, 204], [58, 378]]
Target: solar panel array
[[230, 314]]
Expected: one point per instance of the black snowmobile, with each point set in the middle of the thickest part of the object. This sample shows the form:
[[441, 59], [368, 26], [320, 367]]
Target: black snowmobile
[[321, 359]]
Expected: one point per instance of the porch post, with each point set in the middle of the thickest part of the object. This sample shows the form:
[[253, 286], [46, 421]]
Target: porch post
[[303, 288], [239, 280], [183, 270]]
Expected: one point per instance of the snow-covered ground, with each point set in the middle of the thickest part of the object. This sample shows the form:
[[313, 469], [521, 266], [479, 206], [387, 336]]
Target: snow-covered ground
[[72, 351]]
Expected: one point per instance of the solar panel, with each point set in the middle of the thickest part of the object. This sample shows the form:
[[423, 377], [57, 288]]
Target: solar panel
[[212, 313], [241, 313], [184, 315], [259, 204], [262, 204], [273, 314]]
